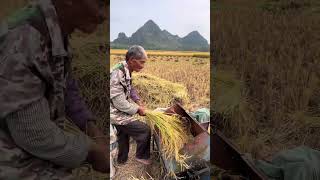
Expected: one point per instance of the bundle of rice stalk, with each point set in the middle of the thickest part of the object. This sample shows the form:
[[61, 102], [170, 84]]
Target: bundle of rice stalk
[[173, 135], [89, 71], [158, 92], [227, 93], [232, 103]]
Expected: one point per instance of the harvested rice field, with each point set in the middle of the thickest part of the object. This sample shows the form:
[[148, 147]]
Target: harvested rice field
[[191, 73], [266, 96], [168, 77]]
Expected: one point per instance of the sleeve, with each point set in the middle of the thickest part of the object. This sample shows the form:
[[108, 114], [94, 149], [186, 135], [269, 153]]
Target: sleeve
[[21, 80], [24, 76], [123, 105], [32, 130], [76, 107], [134, 95], [117, 95]]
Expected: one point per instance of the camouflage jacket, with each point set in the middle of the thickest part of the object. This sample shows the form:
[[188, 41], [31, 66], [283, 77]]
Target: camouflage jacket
[[35, 62], [121, 94]]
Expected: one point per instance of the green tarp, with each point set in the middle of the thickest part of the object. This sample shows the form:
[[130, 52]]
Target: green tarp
[[201, 115], [301, 163]]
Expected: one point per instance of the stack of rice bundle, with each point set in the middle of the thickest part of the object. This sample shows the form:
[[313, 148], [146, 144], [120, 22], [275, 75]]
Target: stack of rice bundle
[[157, 92]]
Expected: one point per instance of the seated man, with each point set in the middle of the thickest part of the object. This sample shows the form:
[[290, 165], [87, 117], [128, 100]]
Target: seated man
[[37, 93], [122, 110]]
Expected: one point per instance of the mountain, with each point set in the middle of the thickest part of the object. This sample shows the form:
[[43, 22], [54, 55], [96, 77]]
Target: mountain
[[194, 41], [150, 36]]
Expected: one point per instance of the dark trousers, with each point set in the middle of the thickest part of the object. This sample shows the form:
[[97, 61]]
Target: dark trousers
[[141, 133]]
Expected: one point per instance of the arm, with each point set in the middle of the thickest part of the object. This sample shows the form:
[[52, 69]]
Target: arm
[[32, 129], [117, 95], [26, 111], [80, 114], [76, 108], [134, 96]]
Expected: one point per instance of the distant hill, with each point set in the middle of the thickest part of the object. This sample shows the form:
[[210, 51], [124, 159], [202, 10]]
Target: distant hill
[[150, 36]]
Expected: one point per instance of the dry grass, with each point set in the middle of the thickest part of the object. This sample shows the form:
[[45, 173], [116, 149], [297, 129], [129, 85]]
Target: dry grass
[[158, 92], [191, 72], [89, 69], [134, 169], [275, 58]]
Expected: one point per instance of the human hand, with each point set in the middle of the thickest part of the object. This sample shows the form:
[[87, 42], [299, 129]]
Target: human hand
[[141, 111], [98, 157], [95, 133], [139, 102]]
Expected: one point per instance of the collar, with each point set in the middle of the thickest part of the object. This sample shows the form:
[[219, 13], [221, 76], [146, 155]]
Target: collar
[[126, 68]]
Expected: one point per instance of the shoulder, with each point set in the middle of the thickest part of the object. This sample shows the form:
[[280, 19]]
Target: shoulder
[[23, 52], [20, 47], [23, 39], [117, 74], [118, 69], [118, 66]]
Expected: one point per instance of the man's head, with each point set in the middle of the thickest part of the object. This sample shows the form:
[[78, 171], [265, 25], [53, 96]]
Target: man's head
[[84, 15], [136, 57]]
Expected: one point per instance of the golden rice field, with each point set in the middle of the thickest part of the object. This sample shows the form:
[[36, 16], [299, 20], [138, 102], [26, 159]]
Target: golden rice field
[[191, 72], [165, 53]]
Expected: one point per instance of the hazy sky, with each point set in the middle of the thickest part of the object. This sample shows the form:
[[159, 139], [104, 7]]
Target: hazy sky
[[179, 17]]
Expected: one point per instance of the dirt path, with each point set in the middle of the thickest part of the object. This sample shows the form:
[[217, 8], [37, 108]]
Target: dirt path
[[132, 168]]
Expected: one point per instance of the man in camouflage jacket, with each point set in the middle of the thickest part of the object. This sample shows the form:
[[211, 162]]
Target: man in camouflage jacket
[[122, 108], [37, 93]]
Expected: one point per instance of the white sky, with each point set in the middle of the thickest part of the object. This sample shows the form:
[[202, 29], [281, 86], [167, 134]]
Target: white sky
[[179, 17]]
